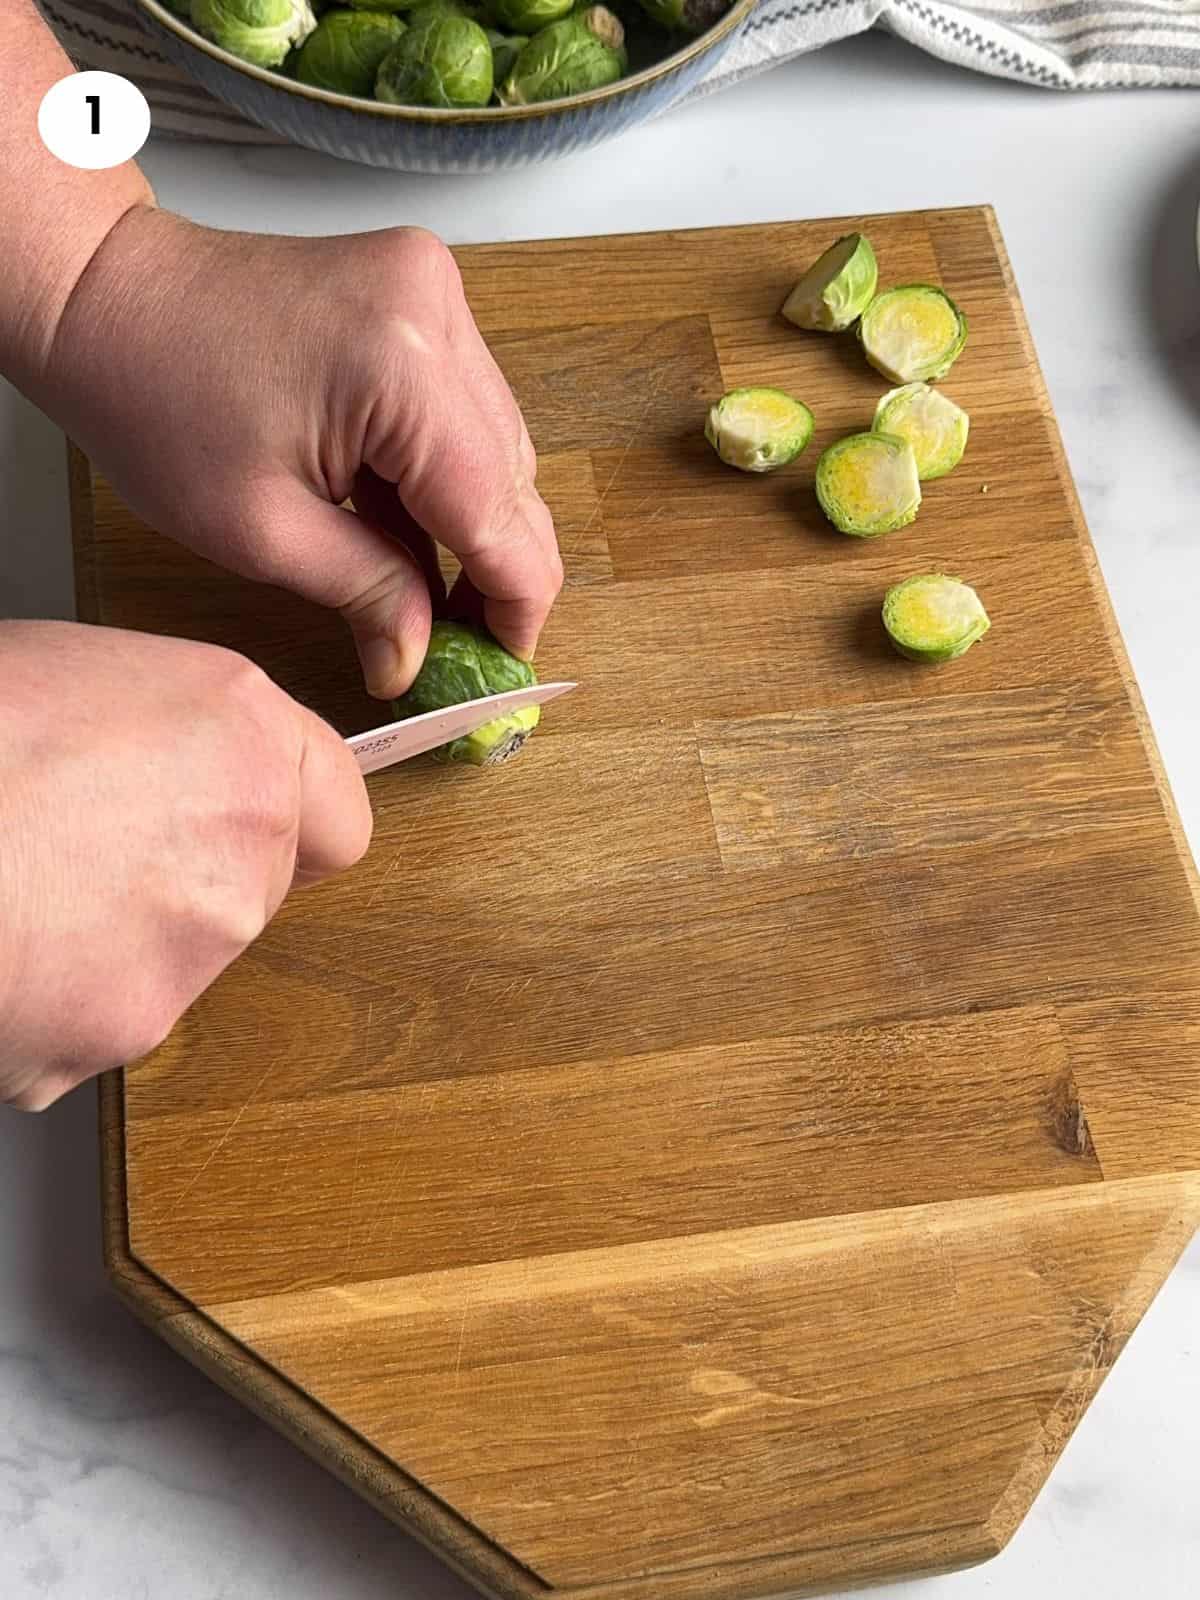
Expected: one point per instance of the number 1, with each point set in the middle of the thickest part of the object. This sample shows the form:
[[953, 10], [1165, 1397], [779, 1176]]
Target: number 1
[[93, 100]]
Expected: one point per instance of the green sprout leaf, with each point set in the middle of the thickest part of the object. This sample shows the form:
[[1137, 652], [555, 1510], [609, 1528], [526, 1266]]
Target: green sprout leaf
[[837, 288], [758, 430], [867, 484], [933, 617], [931, 422], [914, 333]]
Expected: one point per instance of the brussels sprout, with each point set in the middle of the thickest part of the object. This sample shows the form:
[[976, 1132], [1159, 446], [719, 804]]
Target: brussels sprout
[[259, 31], [837, 288], [527, 16], [568, 57], [867, 484], [443, 60], [930, 421], [344, 50], [758, 429], [465, 663], [506, 48], [914, 332], [181, 8], [379, 5], [933, 618], [693, 16]]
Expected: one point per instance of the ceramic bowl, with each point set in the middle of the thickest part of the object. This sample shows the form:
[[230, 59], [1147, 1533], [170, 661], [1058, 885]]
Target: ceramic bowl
[[415, 139]]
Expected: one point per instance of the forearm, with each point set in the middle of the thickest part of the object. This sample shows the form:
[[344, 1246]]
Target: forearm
[[53, 217]]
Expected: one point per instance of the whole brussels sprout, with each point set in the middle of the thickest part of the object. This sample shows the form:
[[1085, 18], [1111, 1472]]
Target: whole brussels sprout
[[465, 663], [692, 16], [344, 50], [527, 16], [506, 48], [259, 31], [444, 59], [568, 57]]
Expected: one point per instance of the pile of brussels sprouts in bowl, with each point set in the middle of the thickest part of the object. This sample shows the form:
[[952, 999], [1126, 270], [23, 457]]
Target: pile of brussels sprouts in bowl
[[451, 54]]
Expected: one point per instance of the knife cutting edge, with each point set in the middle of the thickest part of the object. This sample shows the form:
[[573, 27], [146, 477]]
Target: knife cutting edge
[[397, 741]]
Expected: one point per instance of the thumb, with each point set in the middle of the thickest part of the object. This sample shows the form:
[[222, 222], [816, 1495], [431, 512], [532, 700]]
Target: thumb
[[339, 559]]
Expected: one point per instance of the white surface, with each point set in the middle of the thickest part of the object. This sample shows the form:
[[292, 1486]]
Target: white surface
[[123, 1474]]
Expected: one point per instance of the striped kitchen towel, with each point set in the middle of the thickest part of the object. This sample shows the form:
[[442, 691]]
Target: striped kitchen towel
[[1054, 44]]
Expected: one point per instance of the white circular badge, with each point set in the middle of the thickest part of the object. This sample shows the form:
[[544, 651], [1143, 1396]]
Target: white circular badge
[[94, 120]]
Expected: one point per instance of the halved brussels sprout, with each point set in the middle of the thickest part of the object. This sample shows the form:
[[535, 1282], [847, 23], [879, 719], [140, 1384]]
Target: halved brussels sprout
[[505, 50], [933, 618], [692, 16], [837, 288], [930, 421], [913, 333], [465, 663], [259, 31], [344, 50], [444, 59], [758, 429], [568, 57], [527, 16], [867, 484]]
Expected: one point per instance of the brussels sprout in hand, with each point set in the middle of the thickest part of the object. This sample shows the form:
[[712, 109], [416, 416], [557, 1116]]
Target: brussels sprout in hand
[[444, 59], [933, 618], [914, 333], [584, 51], [345, 49], [837, 288], [758, 429], [527, 16], [465, 663], [259, 31], [930, 421], [692, 16], [868, 485]]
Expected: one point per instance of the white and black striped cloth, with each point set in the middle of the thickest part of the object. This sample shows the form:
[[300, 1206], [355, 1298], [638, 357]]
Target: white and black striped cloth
[[1054, 44]]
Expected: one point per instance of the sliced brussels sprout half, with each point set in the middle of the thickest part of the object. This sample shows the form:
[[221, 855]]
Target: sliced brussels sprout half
[[933, 617], [758, 430], [913, 333], [689, 16], [444, 59], [344, 50], [506, 47], [568, 57], [931, 422], [465, 663], [261, 32], [867, 484], [837, 288], [527, 16]]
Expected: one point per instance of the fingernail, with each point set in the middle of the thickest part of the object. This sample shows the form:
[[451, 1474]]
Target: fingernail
[[381, 665]]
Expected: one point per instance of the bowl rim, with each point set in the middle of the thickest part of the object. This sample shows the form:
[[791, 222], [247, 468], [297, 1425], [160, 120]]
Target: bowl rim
[[738, 11]]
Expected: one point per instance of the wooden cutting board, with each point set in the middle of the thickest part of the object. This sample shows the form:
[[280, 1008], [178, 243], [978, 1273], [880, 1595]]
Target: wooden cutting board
[[721, 1153]]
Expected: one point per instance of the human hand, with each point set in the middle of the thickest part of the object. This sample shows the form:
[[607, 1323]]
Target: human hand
[[158, 799], [236, 388]]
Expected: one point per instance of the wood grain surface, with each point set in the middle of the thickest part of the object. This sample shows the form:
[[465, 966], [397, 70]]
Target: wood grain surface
[[721, 1153]]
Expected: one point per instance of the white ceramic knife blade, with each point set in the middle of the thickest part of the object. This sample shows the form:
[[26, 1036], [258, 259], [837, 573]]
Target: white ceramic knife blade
[[397, 741]]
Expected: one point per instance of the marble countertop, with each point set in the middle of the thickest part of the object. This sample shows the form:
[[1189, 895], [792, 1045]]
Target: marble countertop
[[125, 1475]]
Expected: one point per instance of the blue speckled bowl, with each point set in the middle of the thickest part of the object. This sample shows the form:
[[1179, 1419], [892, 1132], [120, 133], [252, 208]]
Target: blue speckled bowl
[[413, 139]]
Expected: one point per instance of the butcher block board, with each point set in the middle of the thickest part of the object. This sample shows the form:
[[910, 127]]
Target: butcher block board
[[721, 1153]]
